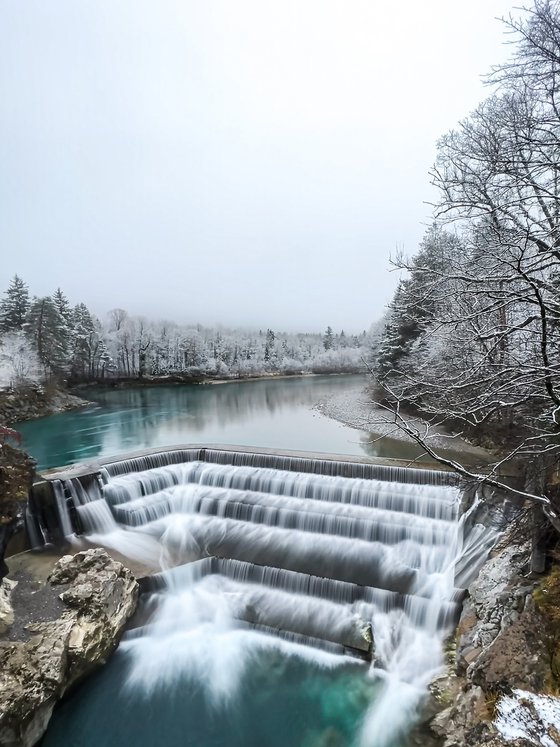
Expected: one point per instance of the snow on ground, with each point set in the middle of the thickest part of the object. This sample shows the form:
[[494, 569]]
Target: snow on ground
[[524, 715], [354, 407]]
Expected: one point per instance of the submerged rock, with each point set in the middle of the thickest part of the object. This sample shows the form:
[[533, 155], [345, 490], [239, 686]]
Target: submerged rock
[[99, 595]]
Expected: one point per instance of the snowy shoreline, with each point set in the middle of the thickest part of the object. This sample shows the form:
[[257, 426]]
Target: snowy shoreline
[[354, 407]]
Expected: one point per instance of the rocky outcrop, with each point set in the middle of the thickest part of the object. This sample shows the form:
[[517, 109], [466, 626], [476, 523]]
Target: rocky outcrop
[[30, 402], [500, 645], [16, 478], [47, 658]]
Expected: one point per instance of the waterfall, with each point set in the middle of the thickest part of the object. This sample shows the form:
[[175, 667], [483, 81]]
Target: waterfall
[[62, 508], [329, 560]]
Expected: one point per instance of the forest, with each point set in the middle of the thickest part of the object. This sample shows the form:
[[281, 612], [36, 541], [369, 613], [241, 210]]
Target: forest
[[46, 339], [472, 336]]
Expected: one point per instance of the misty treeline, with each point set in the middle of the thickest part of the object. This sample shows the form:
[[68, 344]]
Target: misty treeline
[[472, 336], [44, 339]]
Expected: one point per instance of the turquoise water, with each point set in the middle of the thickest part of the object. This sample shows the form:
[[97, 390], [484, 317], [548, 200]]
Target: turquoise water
[[281, 701], [268, 413]]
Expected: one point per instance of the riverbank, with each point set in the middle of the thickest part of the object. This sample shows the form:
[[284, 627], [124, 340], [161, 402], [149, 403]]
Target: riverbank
[[354, 407], [180, 379], [28, 403]]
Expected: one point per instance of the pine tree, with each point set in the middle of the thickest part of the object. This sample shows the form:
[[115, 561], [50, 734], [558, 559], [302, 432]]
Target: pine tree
[[63, 306], [269, 345], [328, 339], [46, 328], [415, 303], [85, 342], [14, 306], [65, 311]]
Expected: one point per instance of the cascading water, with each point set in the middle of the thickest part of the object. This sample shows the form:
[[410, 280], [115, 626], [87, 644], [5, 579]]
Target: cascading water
[[312, 565]]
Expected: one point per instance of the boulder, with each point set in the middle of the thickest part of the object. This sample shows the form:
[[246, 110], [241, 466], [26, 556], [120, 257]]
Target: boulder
[[99, 595]]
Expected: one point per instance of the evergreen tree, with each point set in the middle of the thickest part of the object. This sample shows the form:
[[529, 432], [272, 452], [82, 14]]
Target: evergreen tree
[[416, 302], [328, 339], [63, 307], [269, 346], [90, 356], [46, 328], [14, 306]]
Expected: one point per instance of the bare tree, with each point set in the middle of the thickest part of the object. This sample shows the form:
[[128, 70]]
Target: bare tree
[[486, 360]]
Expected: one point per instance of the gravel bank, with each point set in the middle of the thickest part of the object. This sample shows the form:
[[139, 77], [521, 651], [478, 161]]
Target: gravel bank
[[354, 407]]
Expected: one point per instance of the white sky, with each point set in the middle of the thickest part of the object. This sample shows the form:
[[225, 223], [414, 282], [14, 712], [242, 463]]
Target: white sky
[[249, 162]]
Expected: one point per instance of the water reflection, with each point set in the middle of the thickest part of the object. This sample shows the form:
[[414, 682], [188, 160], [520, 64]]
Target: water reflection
[[270, 413]]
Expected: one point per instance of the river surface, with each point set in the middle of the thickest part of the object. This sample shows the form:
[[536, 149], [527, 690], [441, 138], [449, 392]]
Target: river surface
[[270, 413]]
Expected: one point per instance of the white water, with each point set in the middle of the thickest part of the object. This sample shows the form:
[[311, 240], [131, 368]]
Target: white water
[[315, 558]]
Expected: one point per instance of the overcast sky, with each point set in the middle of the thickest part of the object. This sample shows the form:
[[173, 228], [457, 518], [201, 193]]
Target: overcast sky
[[249, 162]]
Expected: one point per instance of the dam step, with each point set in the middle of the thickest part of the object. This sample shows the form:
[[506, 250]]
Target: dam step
[[328, 552]]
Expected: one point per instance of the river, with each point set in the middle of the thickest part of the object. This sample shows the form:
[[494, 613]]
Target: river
[[271, 413]]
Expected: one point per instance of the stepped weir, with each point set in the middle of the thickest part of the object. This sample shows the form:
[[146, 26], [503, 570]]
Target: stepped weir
[[357, 559]]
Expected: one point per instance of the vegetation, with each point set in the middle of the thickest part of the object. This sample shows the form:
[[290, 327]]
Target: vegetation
[[46, 338], [472, 338]]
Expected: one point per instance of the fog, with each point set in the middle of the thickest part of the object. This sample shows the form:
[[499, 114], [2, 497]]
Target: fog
[[246, 162]]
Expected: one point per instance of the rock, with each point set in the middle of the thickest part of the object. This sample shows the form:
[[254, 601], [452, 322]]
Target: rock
[[529, 717], [500, 645], [6, 610], [516, 658], [366, 634], [99, 596], [34, 401], [454, 722], [16, 478]]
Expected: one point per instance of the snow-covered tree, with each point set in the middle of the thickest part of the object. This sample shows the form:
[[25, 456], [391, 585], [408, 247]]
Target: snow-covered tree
[[269, 346], [90, 358], [19, 363], [46, 328], [484, 353], [328, 339], [64, 309], [418, 298], [14, 306]]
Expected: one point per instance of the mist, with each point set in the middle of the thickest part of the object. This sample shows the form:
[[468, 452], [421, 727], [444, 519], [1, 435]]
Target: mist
[[245, 163]]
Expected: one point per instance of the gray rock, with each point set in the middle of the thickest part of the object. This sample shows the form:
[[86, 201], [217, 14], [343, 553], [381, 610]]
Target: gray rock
[[499, 646], [99, 596], [6, 609]]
